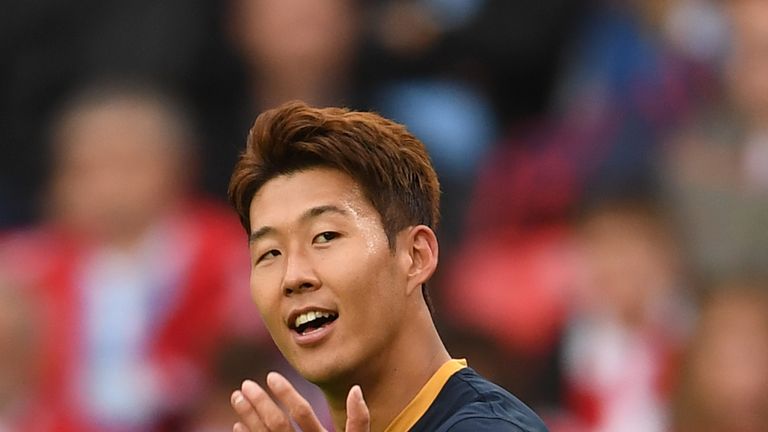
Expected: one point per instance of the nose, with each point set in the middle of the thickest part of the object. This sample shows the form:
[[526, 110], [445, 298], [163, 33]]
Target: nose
[[299, 274]]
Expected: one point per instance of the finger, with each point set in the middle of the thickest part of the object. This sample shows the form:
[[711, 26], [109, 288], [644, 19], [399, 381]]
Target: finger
[[250, 421], [239, 427], [298, 408], [358, 416], [267, 410]]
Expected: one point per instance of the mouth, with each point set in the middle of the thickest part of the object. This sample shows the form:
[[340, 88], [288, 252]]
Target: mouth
[[311, 321]]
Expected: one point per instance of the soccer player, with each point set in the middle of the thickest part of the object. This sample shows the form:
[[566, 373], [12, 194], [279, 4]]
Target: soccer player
[[341, 209]]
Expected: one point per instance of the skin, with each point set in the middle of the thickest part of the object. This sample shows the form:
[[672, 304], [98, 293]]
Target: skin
[[310, 62], [117, 170], [318, 242], [748, 62]]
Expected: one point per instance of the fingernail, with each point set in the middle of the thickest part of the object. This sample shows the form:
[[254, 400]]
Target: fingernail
[[359, 392], [249, 386], [237, 397], [273, 379]]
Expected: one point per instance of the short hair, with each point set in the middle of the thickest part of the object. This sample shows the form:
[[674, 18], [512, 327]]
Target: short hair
[[104, 93], [389, 163]]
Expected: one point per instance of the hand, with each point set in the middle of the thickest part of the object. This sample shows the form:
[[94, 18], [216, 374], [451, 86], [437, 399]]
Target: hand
[[259, 412]]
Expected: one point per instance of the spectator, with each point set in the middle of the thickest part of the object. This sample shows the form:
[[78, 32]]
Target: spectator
[[138, 274], [311, 62], [716, 166], [724, 385], [628, 321]]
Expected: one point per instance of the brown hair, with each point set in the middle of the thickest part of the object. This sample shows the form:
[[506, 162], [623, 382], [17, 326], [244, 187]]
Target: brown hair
[[389, 163]]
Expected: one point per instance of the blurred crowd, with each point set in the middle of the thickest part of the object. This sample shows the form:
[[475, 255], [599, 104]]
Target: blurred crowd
[[604, 166]]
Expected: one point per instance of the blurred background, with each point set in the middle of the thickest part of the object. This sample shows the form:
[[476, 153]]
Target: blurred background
[[604, 166]]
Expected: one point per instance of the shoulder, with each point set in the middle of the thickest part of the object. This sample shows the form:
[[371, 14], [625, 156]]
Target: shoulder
[[486, 406]]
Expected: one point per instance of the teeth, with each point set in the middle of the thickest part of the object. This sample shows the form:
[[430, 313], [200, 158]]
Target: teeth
[[310, 316]]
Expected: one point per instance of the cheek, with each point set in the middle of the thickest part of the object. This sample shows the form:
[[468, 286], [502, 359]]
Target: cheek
[[266, 297], [376, 289]]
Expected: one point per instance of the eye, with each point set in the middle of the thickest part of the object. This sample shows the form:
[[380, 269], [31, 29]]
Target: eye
[[325, 237], [271, 254]]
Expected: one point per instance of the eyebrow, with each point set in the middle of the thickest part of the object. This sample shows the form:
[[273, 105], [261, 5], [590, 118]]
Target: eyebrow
[[309, 214]]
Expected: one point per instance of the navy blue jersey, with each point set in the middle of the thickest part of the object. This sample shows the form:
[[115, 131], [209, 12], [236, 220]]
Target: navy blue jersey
[[458, 399]]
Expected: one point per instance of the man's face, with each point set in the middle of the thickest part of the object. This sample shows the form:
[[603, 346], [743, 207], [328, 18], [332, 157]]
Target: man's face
[[330, 290], [117, 169]]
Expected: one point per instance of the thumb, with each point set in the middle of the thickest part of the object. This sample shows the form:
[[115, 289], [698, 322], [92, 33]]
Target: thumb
[[358, 417]]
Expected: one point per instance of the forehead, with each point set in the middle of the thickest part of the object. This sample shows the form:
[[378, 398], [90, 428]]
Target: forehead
[[117, 129], [288, 196]]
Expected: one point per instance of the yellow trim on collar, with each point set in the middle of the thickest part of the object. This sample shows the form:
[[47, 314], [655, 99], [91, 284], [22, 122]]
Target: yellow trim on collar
[[422, 401]]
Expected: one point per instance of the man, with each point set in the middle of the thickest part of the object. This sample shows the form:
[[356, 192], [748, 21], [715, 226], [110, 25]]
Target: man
[[341, 208], [134, 267]]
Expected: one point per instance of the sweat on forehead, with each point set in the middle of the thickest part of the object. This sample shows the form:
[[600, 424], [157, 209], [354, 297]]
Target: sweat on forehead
[[307, 195]]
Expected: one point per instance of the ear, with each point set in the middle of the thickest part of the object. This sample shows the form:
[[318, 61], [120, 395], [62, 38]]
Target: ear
[[422, 251]]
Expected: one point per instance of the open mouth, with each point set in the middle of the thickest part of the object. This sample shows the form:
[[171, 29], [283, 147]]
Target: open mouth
[[311, 321]]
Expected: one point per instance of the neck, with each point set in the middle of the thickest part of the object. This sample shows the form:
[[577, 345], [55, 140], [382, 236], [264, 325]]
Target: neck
[[390, 381]]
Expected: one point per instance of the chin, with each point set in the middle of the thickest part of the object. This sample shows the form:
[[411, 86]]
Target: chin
[[323, 370], [321, 375]]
